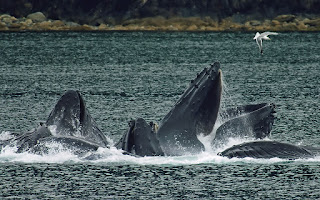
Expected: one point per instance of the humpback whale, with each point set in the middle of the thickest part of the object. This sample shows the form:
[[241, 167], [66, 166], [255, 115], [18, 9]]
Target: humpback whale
[[140, 139], [193, 114], [68, 124], [270, 149], [196, 112], [70, 117], [248, 121]]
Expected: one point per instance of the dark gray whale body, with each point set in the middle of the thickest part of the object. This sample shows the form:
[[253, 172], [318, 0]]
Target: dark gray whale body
[[70, 117], [248, 121], [195, 113], [270, 149], [70, 124], [140, 139]]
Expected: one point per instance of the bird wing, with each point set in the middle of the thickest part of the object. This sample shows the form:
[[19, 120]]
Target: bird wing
[[256, 36], [259, 42], [268, 33]]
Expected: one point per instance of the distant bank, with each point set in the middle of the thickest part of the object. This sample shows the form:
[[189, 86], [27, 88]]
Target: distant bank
[[38, 22], [160, 15]]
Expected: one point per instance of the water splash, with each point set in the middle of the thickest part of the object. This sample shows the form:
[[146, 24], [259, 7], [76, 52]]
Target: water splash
[[226, 97], [53, 129], [6, 135], [112, 156]]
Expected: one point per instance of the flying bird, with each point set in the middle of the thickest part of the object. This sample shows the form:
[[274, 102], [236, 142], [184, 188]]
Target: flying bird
[[258, 37]]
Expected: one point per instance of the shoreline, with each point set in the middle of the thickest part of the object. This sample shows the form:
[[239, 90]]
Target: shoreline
[[282, 23]]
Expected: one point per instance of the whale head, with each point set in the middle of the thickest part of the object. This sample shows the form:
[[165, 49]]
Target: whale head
[[70, 117], [194, 113]]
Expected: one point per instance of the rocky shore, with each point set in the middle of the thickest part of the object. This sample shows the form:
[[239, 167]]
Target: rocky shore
[[159, 15], [39, 22]]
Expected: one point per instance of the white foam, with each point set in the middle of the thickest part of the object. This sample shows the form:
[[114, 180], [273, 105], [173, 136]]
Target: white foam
[[8, 154], [5, 135], [53, 129], [113, 156], [109, 156]]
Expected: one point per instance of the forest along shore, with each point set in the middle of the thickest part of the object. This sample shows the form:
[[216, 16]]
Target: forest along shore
[[39, 22]]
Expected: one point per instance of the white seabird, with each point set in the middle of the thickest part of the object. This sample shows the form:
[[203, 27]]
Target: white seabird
[[258, 37]]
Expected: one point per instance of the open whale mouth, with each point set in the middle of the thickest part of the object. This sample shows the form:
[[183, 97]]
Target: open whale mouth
[[68, 114], [70, 117], [194, 113]]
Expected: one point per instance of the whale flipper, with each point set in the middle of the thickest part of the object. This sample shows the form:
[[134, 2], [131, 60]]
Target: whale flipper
[[195, 113], [70, 117], [249, 121], [27, 140], [140, 140], [267, 149]]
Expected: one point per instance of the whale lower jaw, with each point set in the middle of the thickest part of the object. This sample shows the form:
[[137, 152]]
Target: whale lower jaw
[[269, 149]]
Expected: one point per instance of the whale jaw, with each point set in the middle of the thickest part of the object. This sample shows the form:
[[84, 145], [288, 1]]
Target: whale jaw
[[194, 113]]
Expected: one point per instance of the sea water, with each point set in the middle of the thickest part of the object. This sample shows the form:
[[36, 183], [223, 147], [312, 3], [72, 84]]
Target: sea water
[[126, 75]]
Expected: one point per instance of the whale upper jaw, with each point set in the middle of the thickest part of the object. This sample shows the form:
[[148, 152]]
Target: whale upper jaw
[[194, 113]]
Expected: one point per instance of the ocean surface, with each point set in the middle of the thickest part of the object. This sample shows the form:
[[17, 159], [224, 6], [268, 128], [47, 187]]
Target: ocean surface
[[126, 75]]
